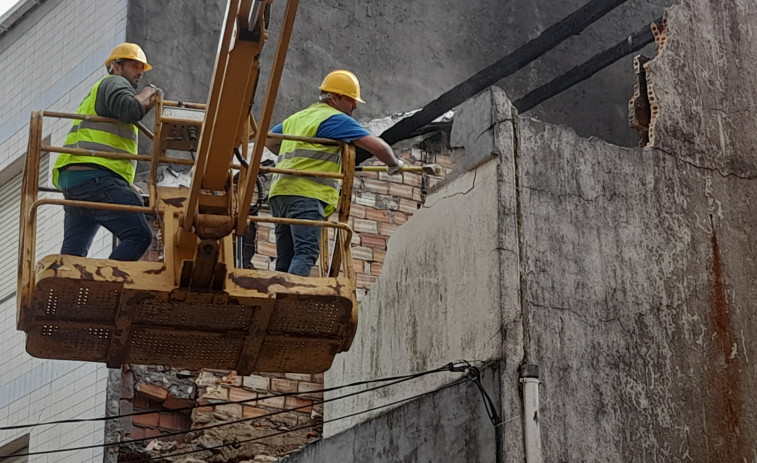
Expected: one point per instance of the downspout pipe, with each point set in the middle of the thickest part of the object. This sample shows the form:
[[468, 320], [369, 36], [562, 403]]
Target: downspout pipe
[[529, 379]]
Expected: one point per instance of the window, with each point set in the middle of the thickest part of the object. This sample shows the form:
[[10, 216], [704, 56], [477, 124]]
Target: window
[[17, 447]]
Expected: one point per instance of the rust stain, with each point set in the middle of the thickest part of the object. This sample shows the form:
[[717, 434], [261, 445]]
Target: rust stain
[[723, 401], [118, 273], [156, 271], [262, 284], [176, 202], [85, 274]]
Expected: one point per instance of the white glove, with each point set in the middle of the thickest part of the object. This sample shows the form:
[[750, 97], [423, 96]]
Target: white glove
[[395, 169]]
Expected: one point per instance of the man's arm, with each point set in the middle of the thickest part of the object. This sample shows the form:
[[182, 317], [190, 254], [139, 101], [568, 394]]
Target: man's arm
[[379, 148], [116, 98], [273, 144]]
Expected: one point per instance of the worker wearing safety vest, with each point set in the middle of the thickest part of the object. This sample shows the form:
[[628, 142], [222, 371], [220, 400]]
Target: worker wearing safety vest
[[99, 179], [313, 198]]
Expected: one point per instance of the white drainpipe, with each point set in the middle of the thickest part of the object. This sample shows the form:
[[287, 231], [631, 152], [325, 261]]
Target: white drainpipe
[[529, 378]]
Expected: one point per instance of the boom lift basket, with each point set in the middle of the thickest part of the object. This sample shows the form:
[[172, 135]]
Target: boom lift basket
[[101, 310]]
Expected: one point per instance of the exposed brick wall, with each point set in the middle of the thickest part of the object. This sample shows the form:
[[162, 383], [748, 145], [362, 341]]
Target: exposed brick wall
[[380, 204]]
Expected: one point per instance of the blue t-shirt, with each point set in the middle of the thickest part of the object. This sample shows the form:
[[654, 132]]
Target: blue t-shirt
[[337, 127]]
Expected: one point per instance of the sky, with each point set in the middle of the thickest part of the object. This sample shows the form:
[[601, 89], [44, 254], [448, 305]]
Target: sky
[[6, 5]]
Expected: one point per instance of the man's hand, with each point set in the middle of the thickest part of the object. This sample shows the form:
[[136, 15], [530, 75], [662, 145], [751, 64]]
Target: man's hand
[[136, 189], [149, 96], [395, 169]]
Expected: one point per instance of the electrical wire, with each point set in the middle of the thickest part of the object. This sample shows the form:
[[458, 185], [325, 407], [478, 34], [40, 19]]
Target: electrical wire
[[451, 367], [237, 443], [233, 402]]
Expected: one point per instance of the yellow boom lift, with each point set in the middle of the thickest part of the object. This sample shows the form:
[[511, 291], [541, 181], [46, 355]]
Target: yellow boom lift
[[195, 309]]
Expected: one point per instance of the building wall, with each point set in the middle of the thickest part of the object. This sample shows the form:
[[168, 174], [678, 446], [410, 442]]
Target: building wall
[[406, 54], [51, 57], [626, 275]]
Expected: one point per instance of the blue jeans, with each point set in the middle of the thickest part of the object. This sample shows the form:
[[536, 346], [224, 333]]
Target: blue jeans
[[81, 224], [297, 246]]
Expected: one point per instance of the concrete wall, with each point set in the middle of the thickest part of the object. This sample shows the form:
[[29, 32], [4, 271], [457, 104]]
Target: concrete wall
[[625, 274], [50, 59], [450, 425], [405, 53]]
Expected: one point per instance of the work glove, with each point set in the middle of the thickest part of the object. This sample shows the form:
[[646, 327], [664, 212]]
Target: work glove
[[395, 169]]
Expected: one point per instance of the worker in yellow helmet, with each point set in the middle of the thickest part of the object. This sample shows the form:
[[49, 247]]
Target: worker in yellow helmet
[[313, 198], [99, 179]]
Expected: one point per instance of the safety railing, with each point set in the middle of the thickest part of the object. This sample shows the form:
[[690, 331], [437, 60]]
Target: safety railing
[[330, 262]]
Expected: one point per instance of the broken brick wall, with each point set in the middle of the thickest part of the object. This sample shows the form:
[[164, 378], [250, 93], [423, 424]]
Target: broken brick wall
[[270, 424]]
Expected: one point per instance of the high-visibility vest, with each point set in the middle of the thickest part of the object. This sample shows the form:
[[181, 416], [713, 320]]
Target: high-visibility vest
[[99, 136], [309, 157]]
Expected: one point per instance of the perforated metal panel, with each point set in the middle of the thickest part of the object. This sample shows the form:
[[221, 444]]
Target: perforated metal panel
[[82, 300], [92, 317], [321, 316], [194, 315], [83, 342], [282, 354], [190, 350]]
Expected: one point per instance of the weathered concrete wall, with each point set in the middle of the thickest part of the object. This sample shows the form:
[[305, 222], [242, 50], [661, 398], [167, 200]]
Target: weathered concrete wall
[[447, 426], [633, 280], [405, 53]]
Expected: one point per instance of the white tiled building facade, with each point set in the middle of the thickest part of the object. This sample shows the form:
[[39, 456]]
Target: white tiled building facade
[[51, 53]]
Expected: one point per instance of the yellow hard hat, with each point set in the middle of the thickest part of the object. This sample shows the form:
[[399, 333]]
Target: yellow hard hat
[[342, 83], [128, 51]]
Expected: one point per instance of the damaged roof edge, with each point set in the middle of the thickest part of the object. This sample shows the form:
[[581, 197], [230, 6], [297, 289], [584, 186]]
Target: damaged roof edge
[[15, 13]]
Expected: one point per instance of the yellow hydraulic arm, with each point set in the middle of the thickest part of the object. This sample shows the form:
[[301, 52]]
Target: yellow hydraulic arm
[[195, 308]]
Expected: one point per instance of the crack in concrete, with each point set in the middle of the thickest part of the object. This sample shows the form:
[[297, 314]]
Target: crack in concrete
[[580, 317], [705, 168], [609, 197], [459, 193]]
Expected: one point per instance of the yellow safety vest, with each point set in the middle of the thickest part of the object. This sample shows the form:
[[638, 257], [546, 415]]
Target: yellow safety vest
[[99, 136], [309, 157]]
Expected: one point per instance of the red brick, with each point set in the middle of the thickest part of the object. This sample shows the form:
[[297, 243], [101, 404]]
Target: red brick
[[174, 402], [379, 255], [266, 249], [310, 389], [146, 421], [408, 206], [253, 412], [444, 161], [379, 215], [174, 422], [401, 190], [237, 394], [144, 433], [398, 218], [358, 266], [302, 405], [261, 262], [383, 176], [283, 385], [373, 241], [365, 226], [263, 234], [413, 179], [141, 402], [376, 268], [152, 391], [417, 196], [375, 186], [357, 211], [362, 253], [387, 229], [365, 281], [272, 402]]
